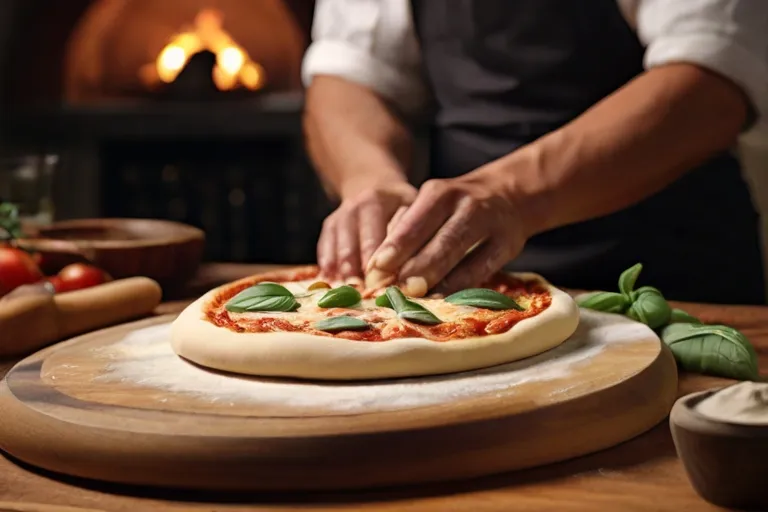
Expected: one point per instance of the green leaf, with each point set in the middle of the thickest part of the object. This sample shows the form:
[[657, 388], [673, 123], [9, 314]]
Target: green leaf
[[608, 302], [650, 308], [263, 297], [679, 316], [628, 278], [341, 297], [10, 224], [712, 349], [409, 310], [341, 323], [483, 298], [383, 301], [644, 289]]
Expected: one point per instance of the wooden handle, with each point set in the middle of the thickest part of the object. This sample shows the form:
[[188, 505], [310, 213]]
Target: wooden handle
[[26, 323], [30, 322], [106, 304], [16, 506]]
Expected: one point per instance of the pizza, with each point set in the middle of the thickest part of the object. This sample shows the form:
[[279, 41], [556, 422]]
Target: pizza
[[293, 323]]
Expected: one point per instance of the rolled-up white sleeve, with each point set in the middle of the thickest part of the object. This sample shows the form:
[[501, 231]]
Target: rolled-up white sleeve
[[369, 42], [729, 37]]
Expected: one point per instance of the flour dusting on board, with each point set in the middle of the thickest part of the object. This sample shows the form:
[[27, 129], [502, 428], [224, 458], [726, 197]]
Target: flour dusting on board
[[145, 358]]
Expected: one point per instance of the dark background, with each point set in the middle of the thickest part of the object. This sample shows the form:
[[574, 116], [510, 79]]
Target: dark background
[[232, 164]]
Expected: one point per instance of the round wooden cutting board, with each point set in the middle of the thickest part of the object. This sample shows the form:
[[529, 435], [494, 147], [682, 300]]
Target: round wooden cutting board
[[119, 405]]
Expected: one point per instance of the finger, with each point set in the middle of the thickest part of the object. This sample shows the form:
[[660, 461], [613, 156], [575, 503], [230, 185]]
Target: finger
[[478, 266], [348, 247], [414, 229], [326, 249], [376, 279], [461, 232], [369, 265], [373, 224], [396, 218]]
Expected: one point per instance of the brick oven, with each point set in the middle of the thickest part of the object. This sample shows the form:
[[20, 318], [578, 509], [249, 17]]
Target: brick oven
[[180, 109]]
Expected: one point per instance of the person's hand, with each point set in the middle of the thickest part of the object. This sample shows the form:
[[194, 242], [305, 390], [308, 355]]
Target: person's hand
[[430, 241], [357, 227]]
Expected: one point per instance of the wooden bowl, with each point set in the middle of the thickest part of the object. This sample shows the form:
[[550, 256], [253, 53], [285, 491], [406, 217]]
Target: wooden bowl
[[726, 463], [168, 252]]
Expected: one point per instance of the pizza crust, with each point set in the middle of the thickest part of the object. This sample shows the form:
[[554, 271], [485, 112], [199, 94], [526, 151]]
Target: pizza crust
[[307, 356]]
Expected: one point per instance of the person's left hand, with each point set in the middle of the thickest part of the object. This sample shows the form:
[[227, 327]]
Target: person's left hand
[[448, 219]]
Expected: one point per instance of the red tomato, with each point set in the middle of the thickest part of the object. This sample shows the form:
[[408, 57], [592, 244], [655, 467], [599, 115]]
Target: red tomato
[[16, 268], [78, 276]]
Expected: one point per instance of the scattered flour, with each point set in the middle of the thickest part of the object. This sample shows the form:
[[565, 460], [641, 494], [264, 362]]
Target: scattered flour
[[145, 358]]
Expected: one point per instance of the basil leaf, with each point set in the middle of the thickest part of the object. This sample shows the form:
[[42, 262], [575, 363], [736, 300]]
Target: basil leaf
[[644, 289], [608, 302], [383, 301], [263, 297], [716, 350], [409, 310], [681, 317], [483, 298], [264, 303], [341, 297], [420, 316], [341, 323], [650, 308], [628, 278]]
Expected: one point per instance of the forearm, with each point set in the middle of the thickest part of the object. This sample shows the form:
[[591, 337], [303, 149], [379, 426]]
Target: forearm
[[353, 137], [624, 149]]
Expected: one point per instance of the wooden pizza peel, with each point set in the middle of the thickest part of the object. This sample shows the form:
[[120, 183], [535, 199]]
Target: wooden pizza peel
[[117, 405]]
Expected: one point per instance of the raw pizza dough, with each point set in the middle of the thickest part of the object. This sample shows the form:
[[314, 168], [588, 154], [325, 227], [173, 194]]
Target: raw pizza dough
[[308, 356]]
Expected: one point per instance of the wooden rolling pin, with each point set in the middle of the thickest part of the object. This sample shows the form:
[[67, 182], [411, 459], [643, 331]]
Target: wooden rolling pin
[[32, 317]]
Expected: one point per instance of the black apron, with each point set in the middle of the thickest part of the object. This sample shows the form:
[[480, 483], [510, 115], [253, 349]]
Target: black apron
[[505, 72]]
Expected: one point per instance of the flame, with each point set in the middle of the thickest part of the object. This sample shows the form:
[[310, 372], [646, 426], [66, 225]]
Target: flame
[[233, 67]]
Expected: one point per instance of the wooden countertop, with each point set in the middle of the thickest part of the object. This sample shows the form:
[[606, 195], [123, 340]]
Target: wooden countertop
[[641, 474]]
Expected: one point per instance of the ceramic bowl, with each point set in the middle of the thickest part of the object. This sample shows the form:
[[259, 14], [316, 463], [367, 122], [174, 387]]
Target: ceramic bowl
[[726, 463]]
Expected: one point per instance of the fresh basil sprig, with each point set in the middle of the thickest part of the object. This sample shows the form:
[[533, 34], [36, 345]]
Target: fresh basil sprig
[[409, 310], [341, 297], [341, 323], [483, 298], [608, 302], [263, 297], [628, 278], [649, 307], [679, 316], [712, 349]]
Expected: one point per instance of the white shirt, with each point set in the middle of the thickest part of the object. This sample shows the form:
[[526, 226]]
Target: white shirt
[[372, 42]]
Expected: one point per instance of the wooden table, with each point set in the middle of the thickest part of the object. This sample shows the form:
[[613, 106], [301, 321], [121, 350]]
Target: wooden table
[[642, 474]]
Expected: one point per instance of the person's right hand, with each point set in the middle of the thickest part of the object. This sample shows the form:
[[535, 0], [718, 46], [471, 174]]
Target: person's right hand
[[357, 227]]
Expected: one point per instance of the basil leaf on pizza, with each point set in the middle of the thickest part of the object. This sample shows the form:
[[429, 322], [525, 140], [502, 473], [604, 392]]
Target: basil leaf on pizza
[[341, 297], [341, 323], [383, 301], [483, 298], [263, 297], [409, 310]]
